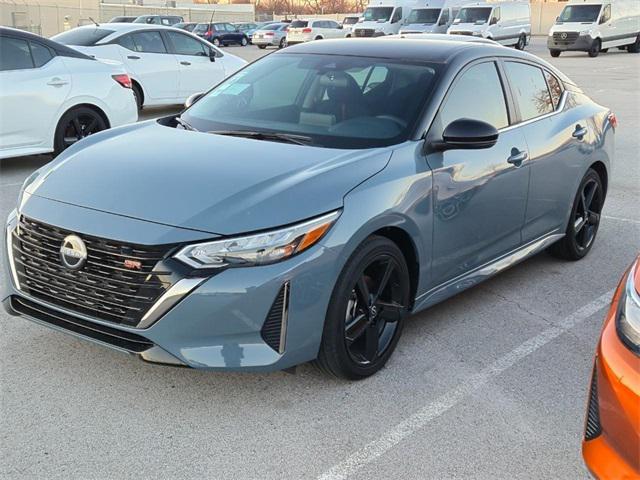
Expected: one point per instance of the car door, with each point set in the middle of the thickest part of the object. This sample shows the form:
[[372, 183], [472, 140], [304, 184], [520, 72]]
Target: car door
[[34, 84], [479, 196], [150, 61], [556, 151], [197, 72]]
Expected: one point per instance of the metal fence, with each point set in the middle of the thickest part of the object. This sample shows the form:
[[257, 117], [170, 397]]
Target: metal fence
[[47, 20]]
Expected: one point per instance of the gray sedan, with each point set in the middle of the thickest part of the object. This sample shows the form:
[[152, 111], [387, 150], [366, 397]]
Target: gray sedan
[[274, 35]]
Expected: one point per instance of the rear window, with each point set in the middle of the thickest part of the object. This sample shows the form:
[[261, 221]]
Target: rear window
[[83, 37], [299, 24]]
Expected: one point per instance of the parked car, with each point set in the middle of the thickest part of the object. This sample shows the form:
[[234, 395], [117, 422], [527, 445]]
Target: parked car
[[188, 26], [53, 96], [596, 26], [306, 30], [166, 65], [123, 19], [167, 20], [436, 17], [348, 23], [612, 434], [508, 23], [221, 34], [330, 189], [274, 34]]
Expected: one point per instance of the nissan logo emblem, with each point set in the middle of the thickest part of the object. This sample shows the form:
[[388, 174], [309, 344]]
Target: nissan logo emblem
[[73, 252], [563, 35]]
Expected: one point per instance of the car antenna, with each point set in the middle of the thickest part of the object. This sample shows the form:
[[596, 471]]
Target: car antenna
[[95, 23]]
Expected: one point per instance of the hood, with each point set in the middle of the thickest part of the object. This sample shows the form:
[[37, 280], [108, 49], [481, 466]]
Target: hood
[[212, 183]]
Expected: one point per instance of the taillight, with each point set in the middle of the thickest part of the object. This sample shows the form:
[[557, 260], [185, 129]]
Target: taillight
[[613, 120], [123, 79], [306, 30]]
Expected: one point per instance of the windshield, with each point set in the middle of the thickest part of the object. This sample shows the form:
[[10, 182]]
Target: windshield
[[334, 101], [580, 13], [377, 14], [350, 20], [82, 37], [424, 15], [473, 15]]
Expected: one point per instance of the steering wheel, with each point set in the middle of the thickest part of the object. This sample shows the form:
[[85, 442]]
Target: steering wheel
[[394, 119]]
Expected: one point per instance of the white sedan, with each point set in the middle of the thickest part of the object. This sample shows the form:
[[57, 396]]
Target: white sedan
[[166, 65], [52, 96]]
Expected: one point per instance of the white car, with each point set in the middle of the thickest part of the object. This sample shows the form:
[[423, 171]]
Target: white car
[[51, 96], [166, 65], [301, 31]]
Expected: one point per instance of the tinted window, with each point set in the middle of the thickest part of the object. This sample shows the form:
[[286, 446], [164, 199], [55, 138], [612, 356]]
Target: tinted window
[[185, 45], [149, 42], [555, 88], [530, 89], [41, 54], [83, 37], [14, 54], [127, 42], [478, 95]]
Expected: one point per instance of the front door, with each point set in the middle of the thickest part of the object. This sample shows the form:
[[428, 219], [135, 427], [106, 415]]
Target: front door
[[479, 196]]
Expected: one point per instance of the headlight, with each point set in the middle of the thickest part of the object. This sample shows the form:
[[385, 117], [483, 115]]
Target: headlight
[[259, 249], [628, 315]]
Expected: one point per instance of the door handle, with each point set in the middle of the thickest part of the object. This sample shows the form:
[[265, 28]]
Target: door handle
[[185, 63], [133, 57], [579, 132], [517, 157], [56, 82]]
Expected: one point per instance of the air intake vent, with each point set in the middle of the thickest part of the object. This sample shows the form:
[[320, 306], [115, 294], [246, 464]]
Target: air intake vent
[[593, 427], [274, 330]]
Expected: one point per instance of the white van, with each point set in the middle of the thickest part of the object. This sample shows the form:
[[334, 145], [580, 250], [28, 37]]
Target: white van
[[596, 26], [383, 17], [508, 23], [433, 17]]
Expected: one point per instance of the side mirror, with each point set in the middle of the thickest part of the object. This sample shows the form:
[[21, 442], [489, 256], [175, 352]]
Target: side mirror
[[193, 99], [466, 134]]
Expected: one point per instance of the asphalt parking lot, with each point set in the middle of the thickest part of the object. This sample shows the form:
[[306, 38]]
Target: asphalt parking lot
[[490, 384]]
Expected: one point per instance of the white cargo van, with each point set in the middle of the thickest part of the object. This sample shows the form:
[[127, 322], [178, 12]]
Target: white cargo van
[[434, 16], [508, 23], [596, 26], [383, 17]]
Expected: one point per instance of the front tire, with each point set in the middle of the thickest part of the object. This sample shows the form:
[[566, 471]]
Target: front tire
[[594, 51], [75, 125], [366, 311], [584, 221], [554, 53]]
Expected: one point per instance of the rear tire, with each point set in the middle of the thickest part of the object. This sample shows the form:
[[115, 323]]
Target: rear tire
[[634, 47], [584, 221], [554, 53], [366, 311], [76, 124], [594, 51]]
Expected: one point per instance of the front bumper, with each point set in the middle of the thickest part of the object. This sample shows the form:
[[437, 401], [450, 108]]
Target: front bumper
[[217, 325], [612, 449], [581, 44]]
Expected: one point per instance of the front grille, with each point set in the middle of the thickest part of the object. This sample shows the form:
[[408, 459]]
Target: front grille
[[273, 330], [103, 288], [593, 427], [565, 38], [363, 32]]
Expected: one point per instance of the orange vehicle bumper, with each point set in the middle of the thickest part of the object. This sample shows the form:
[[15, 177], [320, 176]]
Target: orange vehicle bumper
[[611, 448]]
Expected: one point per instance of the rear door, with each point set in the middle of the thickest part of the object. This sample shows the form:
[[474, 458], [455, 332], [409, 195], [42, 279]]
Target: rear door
[[34, 84]]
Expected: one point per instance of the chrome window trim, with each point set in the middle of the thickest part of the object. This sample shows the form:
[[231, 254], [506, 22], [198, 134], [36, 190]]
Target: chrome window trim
[[558, 110]]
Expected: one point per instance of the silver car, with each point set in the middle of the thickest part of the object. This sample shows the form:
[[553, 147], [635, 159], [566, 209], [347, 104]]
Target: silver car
[[274, 35]]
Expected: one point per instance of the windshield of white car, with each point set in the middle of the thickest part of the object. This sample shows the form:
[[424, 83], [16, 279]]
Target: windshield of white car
[[378, 14], [427, 16], [473, 15], [82, 37], [580, 13], [334, 101]]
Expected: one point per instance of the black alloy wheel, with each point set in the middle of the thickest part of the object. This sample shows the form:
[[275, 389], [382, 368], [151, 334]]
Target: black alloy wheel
[[75, 125], [366, 312]]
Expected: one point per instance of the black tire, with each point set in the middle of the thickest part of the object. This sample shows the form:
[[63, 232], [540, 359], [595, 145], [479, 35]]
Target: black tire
[[75, 125], [262, 47], [634, 47], [244, 42], [283, 42], [584, 221], [522, 42], [137, 94], [360, 348], [594, 51], [554, 53]]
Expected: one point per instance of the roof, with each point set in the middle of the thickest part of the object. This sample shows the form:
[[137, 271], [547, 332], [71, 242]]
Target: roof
[[57, 47]]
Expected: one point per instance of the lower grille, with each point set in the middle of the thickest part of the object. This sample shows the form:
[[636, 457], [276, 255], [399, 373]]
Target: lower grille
[[363, 32], [593, 428], [123, 340], [274, 329], [118, 282], [565, 38]]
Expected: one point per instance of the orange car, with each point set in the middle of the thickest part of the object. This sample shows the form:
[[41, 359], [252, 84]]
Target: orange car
[[611, 446]]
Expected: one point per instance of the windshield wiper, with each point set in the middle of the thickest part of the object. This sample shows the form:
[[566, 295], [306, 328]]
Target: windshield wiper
[[273, 136], [185, 125]]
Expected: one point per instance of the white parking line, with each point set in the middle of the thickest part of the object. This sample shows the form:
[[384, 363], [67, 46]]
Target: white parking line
[[622, 219], [436, 408]]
